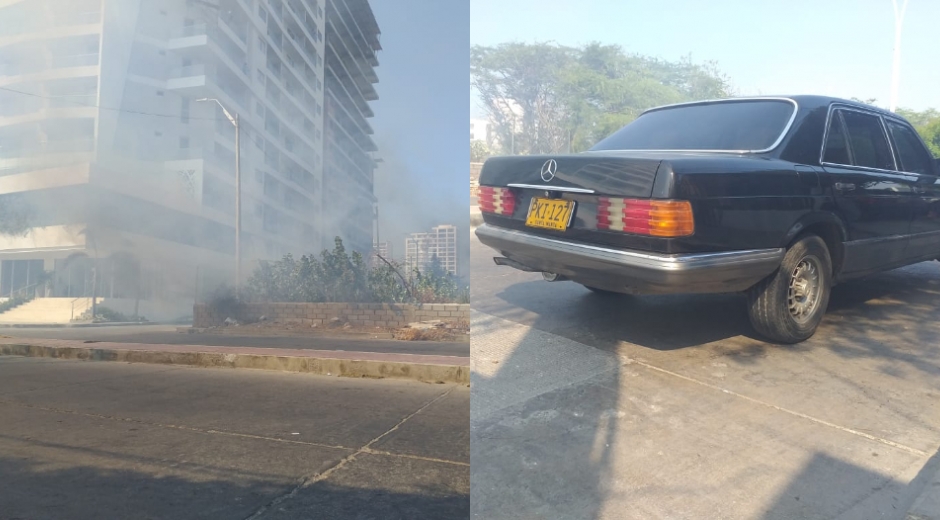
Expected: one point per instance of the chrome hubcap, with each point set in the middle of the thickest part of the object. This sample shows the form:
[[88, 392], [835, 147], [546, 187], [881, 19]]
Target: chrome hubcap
[[804, 291]]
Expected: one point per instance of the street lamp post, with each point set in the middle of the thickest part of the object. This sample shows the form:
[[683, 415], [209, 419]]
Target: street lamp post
[[896, 69], [238, 193]]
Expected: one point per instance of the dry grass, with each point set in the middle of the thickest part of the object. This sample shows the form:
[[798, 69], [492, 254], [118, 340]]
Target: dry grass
[[436, 334]]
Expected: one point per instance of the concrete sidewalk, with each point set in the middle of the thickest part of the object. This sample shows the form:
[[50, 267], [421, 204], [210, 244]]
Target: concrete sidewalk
[[615, 435], [426, 368]]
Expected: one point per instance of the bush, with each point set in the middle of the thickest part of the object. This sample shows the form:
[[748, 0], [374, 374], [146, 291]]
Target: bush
[[224, 304], [16, 301], [106, 314], [340, 277]]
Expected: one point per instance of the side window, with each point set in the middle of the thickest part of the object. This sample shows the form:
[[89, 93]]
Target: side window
[[913, 157], [837, 147], [868, 141]]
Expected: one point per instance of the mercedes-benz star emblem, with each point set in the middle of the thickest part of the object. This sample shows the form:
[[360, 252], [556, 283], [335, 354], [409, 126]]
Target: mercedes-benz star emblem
[[549, 169]]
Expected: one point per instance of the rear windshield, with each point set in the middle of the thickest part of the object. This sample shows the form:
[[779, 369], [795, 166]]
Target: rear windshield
[[727, 125]]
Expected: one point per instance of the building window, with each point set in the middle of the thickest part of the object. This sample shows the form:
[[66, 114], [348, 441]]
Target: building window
[[184, 111], [158, 133], [184, 142], [260, 77], [262, 13], [160, 93]]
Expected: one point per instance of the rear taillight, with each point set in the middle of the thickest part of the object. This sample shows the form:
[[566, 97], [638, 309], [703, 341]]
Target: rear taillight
[[500, 201], [658, 218]]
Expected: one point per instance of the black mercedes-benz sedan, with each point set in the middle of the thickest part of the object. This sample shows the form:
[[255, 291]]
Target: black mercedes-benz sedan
[[779, 197]]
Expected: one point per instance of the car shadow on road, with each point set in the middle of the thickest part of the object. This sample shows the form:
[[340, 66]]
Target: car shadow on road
[[898, 302], [32, 489]]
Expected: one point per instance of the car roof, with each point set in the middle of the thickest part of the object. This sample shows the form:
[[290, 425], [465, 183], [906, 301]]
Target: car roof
[[805, 102]]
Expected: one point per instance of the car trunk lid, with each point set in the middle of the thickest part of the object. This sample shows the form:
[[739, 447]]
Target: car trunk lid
[[628, 176]]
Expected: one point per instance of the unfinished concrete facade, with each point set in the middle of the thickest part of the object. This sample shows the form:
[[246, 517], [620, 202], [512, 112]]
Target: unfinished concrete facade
[[102, 137]]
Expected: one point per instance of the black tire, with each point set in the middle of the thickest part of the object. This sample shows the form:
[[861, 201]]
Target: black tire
[[773, 314]]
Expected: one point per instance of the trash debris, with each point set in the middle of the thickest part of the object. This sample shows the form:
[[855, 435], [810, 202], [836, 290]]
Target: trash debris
[[263, 318], [426, 325], [230, 322]]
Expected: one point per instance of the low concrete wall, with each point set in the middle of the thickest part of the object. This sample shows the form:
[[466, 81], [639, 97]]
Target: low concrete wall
[[357, 314], [153, 310]]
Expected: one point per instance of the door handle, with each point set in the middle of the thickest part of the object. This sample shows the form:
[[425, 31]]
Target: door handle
[[844, 186]]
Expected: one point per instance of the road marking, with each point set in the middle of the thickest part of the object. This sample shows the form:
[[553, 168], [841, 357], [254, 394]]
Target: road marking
[[370, 451], [323, 475], [242, 435], [168, 426], [870, 437]]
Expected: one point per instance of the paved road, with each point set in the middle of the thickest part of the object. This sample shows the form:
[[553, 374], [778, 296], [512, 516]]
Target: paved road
[[588, 407], [86, 440], [164, 334]]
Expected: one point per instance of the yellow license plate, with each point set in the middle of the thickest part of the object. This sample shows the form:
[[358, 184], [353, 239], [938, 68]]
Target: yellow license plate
[[550, 213]]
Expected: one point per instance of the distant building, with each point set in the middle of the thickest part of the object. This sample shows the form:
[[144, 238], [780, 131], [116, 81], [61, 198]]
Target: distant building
[[416, 252], [383, 249], [422, 248], [480, 131]]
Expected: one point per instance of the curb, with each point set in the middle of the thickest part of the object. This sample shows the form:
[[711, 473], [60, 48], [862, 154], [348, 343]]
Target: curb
[[78, 325], [243, 331], [428, 369], [927, 504]]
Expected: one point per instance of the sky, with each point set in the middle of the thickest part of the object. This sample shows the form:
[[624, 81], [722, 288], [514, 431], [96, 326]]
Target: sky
[[842, 48], [420, 119]]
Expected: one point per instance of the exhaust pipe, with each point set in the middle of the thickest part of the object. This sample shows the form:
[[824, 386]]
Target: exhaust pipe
[[512, 263], [548, 277]]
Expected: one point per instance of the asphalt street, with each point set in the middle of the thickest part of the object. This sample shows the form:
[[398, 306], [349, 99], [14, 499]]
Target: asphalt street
[[166, 334], [86, 440], [586, 406]]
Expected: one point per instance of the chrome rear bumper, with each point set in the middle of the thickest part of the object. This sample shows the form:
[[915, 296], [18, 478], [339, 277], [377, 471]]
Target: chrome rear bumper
[[637, 272]]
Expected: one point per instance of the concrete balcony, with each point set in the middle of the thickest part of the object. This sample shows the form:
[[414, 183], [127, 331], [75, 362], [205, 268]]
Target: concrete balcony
[[74, 60], [72, 146]]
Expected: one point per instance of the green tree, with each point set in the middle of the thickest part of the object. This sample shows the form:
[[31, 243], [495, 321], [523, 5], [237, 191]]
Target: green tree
[[919, 119], [547, 98], [931, 134], [927, 124], [338, 276], [479, 151]]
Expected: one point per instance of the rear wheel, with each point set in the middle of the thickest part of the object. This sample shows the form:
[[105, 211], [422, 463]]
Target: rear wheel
[[787, 306]]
